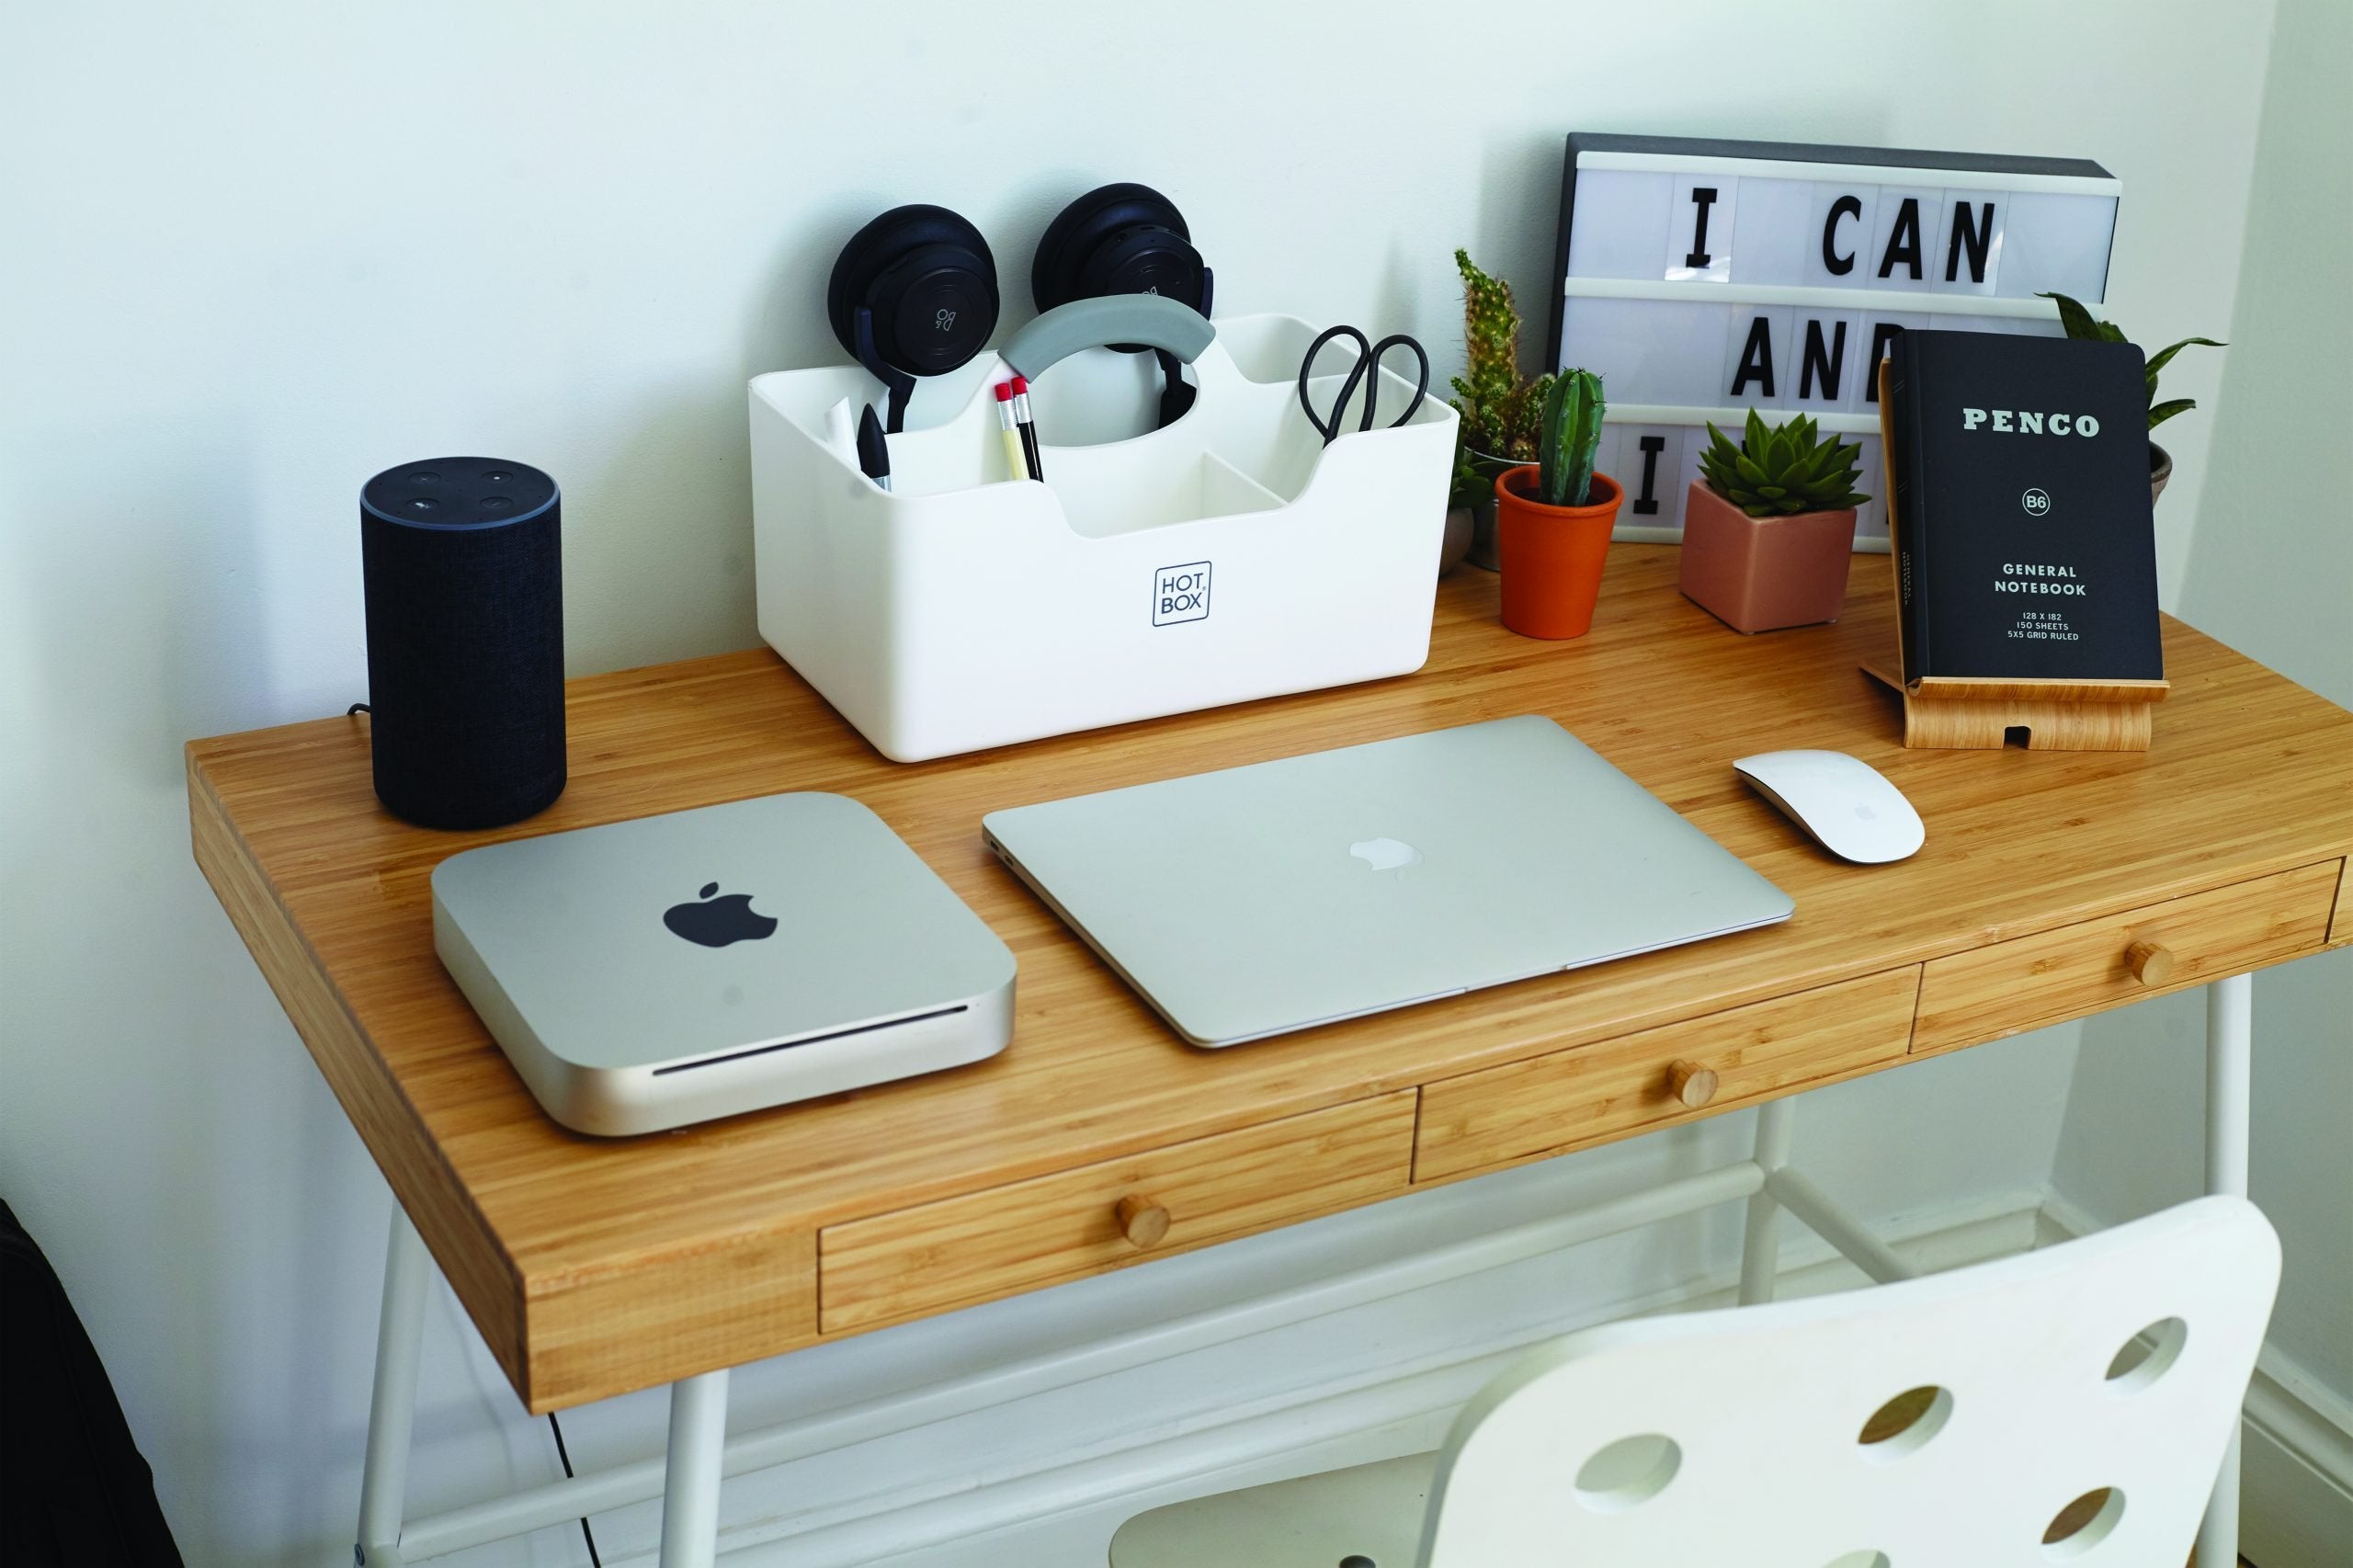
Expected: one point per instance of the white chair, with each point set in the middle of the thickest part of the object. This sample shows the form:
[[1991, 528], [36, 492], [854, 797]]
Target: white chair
[[2067, 1404]]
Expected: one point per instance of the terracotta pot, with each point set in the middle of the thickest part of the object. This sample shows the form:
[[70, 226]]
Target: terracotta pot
[[2160, 470], [1551, 555], [1761, 574]]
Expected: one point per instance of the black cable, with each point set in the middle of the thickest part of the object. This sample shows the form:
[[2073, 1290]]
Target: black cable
[[358, 708], [585, 1533]]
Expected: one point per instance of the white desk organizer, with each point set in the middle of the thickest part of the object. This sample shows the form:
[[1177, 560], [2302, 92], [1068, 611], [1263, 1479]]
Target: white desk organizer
[[966, 609]]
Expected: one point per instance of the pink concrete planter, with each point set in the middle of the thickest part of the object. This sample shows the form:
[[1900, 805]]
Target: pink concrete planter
[[1761, 574]]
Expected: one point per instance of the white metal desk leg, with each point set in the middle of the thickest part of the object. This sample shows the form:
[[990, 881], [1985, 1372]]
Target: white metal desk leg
[[391, 1411], [2230, 1076], [1760, 1241], [690, 1484]]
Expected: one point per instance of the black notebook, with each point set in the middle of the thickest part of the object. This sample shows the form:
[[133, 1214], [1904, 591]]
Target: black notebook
[[2024, 546]]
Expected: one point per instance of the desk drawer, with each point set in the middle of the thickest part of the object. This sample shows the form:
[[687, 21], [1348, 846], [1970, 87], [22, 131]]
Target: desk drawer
[[1090, 1221], [1614, 1088], [2054, 975]]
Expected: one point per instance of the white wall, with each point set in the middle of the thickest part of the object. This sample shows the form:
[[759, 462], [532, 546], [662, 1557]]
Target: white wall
[[2270, 572], [255, 252]]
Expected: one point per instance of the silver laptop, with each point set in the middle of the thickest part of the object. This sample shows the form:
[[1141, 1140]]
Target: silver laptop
[[1286, 894], [645, 974]]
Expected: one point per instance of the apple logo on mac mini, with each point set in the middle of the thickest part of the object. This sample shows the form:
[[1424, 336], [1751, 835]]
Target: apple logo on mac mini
[[716, 922], [1386, 854]]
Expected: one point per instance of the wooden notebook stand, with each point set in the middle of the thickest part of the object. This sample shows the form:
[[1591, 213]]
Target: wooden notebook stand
[[1974, 713], [1962, 714]]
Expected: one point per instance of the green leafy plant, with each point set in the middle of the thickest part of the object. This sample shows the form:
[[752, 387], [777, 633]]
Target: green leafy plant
[[2080, 325], [1781, 472], [1570, 434], [1499, 410]]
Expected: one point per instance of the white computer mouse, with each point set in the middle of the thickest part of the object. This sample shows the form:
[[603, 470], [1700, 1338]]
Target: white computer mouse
[[1847, 805]]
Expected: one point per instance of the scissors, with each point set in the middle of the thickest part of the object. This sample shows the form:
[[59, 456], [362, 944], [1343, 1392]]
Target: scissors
[[1368, 362]]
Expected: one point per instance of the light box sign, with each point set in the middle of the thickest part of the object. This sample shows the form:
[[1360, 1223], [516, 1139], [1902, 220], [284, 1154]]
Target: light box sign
[[1702, 279]]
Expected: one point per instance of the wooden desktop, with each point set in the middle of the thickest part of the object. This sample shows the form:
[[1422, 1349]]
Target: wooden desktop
[[2052, 884]]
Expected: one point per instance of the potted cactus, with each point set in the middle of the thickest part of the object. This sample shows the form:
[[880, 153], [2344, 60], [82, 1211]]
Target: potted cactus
[[2080, 325], [1554, 517], [1499, 410], [1768, 530]]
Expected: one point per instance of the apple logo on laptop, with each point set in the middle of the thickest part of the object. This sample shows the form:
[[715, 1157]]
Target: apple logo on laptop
[[716, 922], [1385, 853]]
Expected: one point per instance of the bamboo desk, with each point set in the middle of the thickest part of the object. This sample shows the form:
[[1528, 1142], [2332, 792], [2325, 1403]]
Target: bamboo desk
[[2051, 885]]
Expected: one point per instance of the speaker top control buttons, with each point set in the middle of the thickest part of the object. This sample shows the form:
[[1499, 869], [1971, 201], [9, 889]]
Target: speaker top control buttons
[[459, 493]]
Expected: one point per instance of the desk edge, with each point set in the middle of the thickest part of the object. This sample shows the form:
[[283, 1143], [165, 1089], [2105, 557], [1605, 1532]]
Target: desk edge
[[460, 1238]]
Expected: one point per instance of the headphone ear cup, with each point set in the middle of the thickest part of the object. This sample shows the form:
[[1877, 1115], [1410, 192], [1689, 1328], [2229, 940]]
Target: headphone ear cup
[[926, 275], [1117, 239]]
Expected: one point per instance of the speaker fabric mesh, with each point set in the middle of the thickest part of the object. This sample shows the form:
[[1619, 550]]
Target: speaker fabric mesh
[[465, 640]]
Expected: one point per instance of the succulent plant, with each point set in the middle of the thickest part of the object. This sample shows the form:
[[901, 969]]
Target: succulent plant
[[1499, 409], [2080, 325], [1781, 472], [1571, 431]]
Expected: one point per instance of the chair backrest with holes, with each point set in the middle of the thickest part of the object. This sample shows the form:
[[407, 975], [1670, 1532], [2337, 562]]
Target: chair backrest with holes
[[2092, 1385]]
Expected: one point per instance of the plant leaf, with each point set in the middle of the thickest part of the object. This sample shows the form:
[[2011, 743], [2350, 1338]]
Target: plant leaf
[[2077, 319], [2161, 412], [2164, 357]]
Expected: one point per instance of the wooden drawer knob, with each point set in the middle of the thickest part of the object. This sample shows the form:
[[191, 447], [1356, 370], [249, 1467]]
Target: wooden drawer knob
[[2151, 963], [1142, 1220], [1693, 1084]]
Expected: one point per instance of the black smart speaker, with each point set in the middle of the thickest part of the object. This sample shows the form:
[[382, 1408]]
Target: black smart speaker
[[465, 639]]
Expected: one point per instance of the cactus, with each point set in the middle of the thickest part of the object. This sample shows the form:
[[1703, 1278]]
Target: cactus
[[1781, 472], [1567, 438], [1499, 409], [1487, 391]]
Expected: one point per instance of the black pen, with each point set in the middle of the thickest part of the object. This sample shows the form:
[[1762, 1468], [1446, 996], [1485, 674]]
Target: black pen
[[874, 452]]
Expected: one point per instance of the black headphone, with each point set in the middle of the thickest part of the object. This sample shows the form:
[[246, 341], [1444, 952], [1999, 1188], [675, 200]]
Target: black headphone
[[913, 294], [1124, 239]]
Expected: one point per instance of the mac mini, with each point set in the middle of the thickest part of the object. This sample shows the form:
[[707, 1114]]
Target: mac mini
[[647, 975]]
